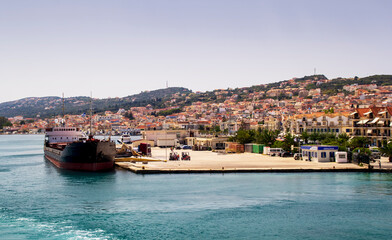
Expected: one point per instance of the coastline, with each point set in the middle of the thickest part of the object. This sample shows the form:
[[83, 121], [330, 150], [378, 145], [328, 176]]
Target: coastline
[[213, 162], [179, 171]]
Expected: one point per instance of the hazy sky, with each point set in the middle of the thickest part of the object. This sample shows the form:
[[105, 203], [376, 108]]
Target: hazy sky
[[118, 48]]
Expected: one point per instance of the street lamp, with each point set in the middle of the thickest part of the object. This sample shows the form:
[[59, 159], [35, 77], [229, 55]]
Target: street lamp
[[297, 139]]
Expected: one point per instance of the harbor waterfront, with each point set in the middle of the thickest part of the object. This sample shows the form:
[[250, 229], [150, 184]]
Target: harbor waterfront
[[207, 161], [39, 201]]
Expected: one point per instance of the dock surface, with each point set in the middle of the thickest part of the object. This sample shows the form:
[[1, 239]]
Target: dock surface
[[213, 162]]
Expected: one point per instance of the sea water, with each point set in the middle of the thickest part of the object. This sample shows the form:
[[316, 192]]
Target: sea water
[[39, 201]]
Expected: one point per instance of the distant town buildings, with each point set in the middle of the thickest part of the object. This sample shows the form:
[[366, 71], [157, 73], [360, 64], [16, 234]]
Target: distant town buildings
[[290, 107]]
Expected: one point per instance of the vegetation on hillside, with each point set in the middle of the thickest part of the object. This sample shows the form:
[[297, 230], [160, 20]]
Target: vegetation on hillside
[[168, 112], [336, 85], [53, 106], [175, 97], [4, 122]]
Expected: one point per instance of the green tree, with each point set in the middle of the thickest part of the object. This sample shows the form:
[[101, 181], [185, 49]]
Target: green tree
[[279, 144], [314, 136], [169, 112], [285, 144], [244, 136], [305, 136], [129, 115], [361, 155], [266, 137], [4, 122], [387, 150], [359, 142], [328, 139], [311, 86], [330, 110], [288, 142], [343, 139]]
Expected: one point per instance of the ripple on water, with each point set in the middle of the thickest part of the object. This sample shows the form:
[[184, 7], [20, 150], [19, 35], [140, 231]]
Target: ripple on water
[[22, 227], [39, 201]]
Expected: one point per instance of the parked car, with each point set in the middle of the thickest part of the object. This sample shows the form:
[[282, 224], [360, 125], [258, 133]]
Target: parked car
[[174, 156], [186, 147], [185, 156], [285, 154], [298, 156], [375, 153], [275, 151]]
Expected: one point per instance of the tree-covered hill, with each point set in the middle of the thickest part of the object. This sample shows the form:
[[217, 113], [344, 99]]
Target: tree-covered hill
[[336, 85], [52, 106]]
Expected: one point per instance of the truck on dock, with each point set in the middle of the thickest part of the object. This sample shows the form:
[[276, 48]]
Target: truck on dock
[[168, 143]]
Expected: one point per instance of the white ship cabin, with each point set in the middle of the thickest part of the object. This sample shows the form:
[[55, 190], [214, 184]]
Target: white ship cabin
[[63, 135]]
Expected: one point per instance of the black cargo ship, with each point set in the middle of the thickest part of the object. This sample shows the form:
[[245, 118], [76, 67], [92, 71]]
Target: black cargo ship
[[67, 148]]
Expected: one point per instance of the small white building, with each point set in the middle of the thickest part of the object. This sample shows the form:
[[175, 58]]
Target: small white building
[[319, 153], [341, 157]]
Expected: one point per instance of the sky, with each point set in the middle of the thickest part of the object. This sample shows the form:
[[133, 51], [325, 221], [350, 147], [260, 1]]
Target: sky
[[119, 48]]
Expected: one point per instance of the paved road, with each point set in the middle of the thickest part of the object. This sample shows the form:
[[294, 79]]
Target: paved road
[[385, 164]]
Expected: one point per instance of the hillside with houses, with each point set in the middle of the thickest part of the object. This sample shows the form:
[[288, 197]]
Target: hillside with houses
[[311, 105]]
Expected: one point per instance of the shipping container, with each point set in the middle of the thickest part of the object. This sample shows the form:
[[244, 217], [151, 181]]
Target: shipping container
[[249, 147], [258, 148], [232, 147]]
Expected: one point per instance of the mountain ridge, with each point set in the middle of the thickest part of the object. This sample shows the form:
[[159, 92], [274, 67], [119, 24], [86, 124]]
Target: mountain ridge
[[177, 97], [31, 107]]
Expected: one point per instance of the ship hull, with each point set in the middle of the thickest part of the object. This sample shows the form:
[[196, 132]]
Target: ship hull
[[83, 156]]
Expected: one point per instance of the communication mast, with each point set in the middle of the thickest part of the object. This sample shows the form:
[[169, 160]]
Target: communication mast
[[91, 115]]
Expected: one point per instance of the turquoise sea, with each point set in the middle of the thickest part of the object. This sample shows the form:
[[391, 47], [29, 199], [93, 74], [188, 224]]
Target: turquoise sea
[[38, 201]]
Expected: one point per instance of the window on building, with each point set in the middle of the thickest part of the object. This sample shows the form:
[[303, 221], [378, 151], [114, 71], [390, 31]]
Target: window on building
[[323, 154]]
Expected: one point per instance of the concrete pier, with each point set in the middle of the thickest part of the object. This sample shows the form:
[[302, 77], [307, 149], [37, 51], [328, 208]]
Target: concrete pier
[[212, 162]]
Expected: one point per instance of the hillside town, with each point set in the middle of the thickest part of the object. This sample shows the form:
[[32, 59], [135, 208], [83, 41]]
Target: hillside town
[[289, 107]]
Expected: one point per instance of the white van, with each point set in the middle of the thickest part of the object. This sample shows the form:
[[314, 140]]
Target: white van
[[275, 151]]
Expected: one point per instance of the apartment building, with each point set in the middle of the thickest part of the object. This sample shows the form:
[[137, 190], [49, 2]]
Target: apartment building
[[319, 122], [372, 122]]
